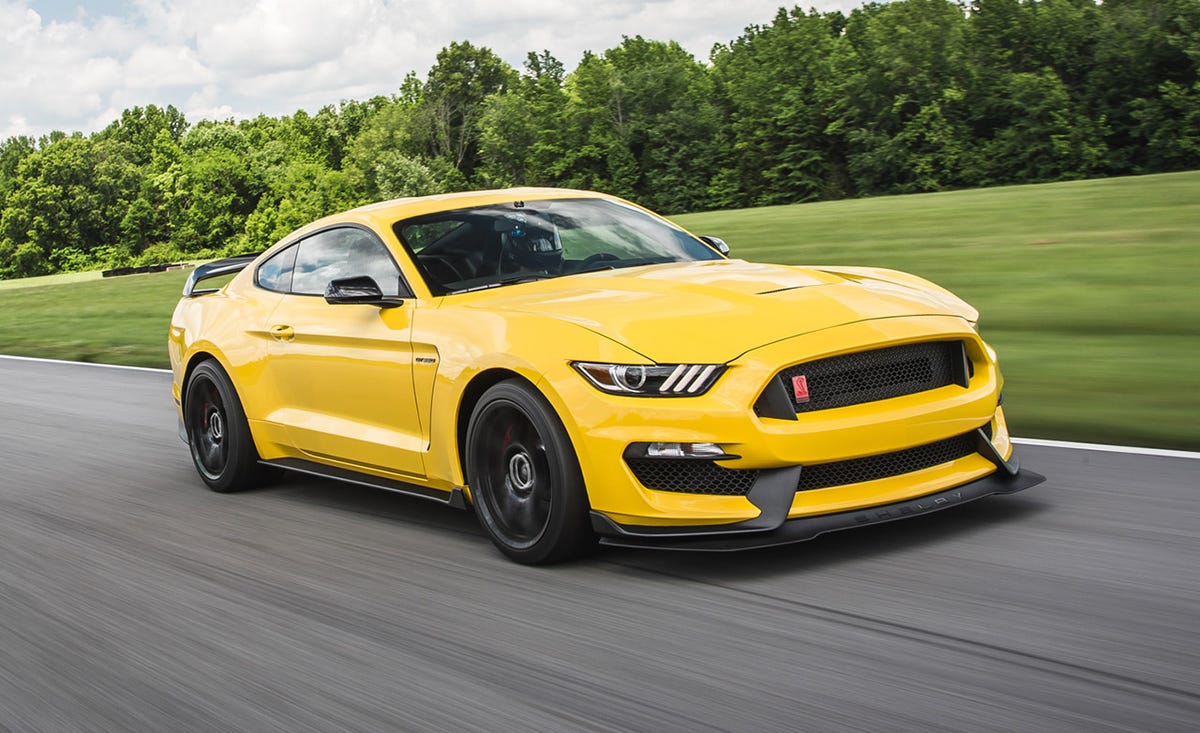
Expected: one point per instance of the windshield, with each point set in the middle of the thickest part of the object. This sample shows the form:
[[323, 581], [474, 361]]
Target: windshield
[[489, 246]]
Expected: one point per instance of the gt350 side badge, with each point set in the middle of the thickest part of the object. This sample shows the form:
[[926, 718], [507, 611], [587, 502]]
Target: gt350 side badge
[[800, 388]]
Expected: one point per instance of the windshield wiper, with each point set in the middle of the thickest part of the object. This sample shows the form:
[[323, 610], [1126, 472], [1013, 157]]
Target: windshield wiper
[[524, 277], [623, 264], [596, 268]]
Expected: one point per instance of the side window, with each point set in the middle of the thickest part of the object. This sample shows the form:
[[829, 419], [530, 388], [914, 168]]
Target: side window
[[276, 273], [340, 253]]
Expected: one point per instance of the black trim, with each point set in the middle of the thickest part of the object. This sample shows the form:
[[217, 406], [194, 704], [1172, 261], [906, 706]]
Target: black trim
[[361, 290], [962, 366], [984, 442], [775, 403], [214, 269], [453, 498], [773, 528]]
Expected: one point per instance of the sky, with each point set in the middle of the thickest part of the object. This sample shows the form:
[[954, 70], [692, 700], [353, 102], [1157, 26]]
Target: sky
[[70, 65]]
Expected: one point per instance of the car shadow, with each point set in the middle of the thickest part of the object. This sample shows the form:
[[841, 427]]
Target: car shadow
[[827, 550], [368, 501]]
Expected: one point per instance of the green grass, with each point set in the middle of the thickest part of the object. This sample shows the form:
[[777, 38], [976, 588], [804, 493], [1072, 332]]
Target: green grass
[[120, 320], [59, 279], [1090, 291]]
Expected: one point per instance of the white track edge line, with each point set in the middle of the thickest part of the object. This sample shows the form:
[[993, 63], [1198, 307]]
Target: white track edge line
[[1104, 448], [85, 363]]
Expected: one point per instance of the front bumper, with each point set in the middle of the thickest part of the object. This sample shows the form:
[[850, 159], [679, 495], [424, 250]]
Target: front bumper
[[602, 427], [773, 494]]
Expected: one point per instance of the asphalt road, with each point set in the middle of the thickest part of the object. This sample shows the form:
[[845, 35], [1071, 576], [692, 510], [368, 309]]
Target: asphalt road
[[133, 599]]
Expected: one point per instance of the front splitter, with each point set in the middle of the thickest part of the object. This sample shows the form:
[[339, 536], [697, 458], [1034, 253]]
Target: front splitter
[[742, 537]]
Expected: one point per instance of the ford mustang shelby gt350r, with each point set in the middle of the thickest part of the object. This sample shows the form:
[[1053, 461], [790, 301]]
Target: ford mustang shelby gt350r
[[578, 368]]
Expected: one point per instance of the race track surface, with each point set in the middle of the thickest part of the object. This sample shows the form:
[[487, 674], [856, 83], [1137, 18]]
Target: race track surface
[[133, 599]]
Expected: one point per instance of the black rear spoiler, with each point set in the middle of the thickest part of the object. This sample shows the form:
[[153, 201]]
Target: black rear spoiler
[[216, 268]]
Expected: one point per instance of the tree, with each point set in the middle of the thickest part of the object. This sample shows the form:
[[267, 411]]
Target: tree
[[139, 128], [389, 132], [777, 85], [215, 190], [453, 98], [66, 202], [900, 96], [521, 134], [1145, 52], [302, 192], [12, 152]]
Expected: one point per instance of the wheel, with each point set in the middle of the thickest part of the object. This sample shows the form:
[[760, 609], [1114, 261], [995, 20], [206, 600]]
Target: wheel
[[218, 434], [524, 477]]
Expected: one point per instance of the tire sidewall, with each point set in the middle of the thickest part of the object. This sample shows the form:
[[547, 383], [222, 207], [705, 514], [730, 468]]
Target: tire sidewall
[[566, 533], [241, 457]]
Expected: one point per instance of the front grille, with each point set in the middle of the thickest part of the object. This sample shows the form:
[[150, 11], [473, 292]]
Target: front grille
[[691, 476], [885, 465], [880, 374]]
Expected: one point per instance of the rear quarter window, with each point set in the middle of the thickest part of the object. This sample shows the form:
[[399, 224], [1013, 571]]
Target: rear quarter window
[[276, 273]]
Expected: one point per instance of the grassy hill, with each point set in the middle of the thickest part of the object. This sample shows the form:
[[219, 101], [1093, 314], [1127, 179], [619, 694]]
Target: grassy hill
[[1090, 291]]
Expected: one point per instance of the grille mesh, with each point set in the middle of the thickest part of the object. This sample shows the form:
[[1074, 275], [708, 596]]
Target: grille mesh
[[690, 476], [885, 465], [880, 374]]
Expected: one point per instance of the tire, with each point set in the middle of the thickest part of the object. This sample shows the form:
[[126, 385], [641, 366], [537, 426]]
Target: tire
[[524, 476], [218, 434]]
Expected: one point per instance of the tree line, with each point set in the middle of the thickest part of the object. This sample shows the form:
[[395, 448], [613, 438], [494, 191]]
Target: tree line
[[907, 96]]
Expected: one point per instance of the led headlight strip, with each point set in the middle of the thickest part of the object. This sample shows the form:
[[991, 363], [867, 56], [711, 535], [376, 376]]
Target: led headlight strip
[[660, 380]]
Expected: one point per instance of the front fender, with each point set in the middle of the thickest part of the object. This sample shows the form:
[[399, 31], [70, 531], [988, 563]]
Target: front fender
[[470, 345]]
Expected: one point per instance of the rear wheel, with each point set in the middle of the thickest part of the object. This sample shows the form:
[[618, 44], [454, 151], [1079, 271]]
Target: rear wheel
[[524, 477], [218, 434]]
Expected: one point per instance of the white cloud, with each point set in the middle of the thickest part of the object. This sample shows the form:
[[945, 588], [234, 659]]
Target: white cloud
[[240, 58]]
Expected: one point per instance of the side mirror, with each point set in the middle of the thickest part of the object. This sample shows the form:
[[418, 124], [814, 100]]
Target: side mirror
[[362, 290], [717, 244]]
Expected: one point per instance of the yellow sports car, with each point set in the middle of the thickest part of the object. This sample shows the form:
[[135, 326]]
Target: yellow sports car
[[577, 369]]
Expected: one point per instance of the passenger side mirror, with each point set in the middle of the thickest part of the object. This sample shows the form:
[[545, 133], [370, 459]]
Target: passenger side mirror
[[717, 244], [361, 290]]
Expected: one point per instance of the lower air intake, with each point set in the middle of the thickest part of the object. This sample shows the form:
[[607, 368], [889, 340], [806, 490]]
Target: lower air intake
[[690, 476], [886, 465]]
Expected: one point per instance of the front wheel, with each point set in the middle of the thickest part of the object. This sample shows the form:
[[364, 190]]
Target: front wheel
[[524, 477], [218, 434]]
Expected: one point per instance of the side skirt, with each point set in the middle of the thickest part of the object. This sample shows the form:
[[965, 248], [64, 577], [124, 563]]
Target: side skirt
[[453, 498]]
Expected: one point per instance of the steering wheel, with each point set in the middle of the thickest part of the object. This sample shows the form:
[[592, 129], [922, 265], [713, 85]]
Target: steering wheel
[[444, 262], [598, 257]]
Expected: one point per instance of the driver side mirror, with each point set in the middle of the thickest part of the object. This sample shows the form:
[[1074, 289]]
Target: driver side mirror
[[717, 244], [362, 290]]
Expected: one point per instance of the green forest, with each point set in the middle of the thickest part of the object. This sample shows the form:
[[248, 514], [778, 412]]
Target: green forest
[[907, 96]]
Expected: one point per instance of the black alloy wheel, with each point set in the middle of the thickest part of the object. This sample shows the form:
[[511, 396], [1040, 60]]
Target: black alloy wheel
[[524, 477], [218, 434]]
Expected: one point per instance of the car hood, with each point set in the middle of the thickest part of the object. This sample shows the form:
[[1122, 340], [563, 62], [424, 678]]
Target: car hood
[[713, 312]]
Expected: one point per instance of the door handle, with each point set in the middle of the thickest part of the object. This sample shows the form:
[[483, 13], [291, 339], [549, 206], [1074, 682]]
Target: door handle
[[283, 333]]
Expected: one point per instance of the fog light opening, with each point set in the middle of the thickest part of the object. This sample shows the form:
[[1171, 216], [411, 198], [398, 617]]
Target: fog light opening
[[698, 451]]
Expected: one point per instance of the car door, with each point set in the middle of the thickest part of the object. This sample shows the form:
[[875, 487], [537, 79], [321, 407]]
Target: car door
[[343, 372]]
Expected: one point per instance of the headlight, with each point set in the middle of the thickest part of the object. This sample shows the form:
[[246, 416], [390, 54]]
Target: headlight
[[661, 380]]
